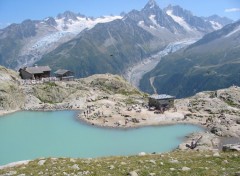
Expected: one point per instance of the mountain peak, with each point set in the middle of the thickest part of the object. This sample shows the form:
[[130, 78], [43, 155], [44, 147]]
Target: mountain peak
[[151, 4], [177, 10], [221, 20], [68, 15]]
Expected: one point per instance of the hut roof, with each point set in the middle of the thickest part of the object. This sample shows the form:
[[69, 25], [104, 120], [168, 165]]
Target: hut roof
[[37, 69], [62, 71], [162, 97]]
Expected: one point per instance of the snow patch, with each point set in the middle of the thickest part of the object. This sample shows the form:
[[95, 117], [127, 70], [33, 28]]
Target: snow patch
[[141, 23], [152, 27], [216, 25], [82, 23], [179, 20], [233, 32], [152, 18]]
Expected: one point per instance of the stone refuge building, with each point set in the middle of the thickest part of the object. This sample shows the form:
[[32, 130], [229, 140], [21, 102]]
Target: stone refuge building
[[36, 72], [63, 74], [162, 101]]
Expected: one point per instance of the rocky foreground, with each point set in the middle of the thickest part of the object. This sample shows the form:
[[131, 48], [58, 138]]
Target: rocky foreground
[[109, 101]]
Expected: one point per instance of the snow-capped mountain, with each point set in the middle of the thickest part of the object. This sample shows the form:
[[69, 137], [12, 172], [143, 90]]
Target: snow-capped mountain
[[32, 39], [75, 23], [217, 21], [148, 30], [188, 21], [115, 46]]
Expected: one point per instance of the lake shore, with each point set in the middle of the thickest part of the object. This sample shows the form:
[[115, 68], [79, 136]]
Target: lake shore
[[110, 101], [113, 112]]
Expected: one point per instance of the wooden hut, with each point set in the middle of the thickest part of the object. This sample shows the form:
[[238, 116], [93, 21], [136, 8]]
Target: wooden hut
[[162, 101], [63, 74], [36, 72]]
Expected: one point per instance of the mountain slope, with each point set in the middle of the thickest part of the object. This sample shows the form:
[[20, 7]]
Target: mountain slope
[[217, 21], [105, 48], [25, 43], [209, 64], [113, 47], [187, 20]]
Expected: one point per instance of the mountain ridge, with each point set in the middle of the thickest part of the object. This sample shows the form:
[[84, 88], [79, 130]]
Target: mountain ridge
[[44, 37], [150, 21]]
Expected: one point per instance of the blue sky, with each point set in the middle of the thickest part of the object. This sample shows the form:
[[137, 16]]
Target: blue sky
[[15, 11]]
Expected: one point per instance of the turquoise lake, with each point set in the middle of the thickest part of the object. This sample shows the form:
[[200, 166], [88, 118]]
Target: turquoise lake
[[30, 135]]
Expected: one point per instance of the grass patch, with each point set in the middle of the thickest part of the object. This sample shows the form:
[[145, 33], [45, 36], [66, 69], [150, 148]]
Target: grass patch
[[199, 164], [231, 103], [51, 84]]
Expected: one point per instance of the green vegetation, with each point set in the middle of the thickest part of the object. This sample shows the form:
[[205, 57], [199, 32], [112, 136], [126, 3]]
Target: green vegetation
[[187, 72], [174, 163], [51, 93], [130, 101], [211, 63], [231, 103], [51, 84]]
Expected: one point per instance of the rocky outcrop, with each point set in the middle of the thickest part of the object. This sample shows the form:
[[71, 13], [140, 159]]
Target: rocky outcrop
[[11, 96], [218, 110], [15, 95]]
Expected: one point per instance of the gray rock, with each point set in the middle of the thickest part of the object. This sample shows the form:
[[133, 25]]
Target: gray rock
[[152, 174], [186, 169], [75, 167], [238, 121], [216, 130], [216, 154], [231, 147], [142, 154], [41, 162], [111, 167], [174, 161], [152, 161], [225, 162], [12, 173], [133, 173], [237, 173]]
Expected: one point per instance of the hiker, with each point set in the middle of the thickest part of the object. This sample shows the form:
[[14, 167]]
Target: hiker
[[193, 143]]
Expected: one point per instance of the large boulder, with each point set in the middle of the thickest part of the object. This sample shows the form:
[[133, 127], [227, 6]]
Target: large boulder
[[231, 147]]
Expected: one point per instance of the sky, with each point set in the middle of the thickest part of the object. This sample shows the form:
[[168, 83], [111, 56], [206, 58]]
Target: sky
[[16, 11]]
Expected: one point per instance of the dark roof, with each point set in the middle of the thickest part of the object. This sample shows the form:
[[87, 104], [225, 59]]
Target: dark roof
[[62, 71], [37, 69], [161, 97]]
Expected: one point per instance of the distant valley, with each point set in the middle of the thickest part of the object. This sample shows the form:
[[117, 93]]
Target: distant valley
[[211, 63]]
